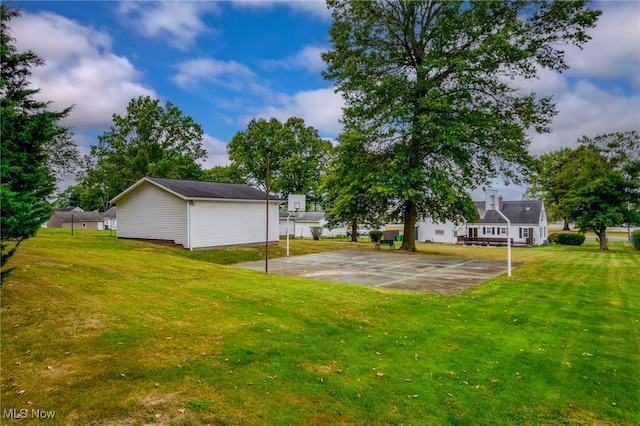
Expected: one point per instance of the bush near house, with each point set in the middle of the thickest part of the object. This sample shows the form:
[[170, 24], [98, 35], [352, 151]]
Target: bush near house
[[636, 239], [316, 232], [570, 239], [553, 238]]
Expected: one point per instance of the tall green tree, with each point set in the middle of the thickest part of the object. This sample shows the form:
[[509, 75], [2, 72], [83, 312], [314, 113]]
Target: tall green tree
[[431, 84], [150, 140], [547, 183], [29, 132], [225, 174], [604, 176], [351, 185], [296, 162]]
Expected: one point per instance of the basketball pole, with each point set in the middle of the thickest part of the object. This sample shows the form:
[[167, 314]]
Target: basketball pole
[[290, 213], [266, 241]]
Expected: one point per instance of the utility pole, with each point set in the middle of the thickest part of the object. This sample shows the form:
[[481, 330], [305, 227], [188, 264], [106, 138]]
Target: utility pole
[[266, 241]]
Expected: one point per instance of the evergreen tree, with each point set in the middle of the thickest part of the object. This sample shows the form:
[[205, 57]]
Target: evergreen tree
[[28, 131]]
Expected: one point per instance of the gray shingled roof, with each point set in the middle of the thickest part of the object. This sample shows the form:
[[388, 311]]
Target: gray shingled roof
[[310, 217], [527, 211], [65, 216], [193, 189], [111, 213]]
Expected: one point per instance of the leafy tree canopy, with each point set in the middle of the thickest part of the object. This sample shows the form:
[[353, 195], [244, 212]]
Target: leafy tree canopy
[[225, 174], [296, 160], [150, 140], [546, 183], [351, 186], [601, 179], [431, 86], [33, 145]]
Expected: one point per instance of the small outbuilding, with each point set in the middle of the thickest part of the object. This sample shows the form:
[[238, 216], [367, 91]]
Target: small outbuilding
[[76, 218], [300, 225], [196, 214]]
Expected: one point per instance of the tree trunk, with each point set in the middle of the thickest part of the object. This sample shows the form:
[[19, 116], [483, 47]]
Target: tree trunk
[[409, 237], [602, 236], [354, 232], [565, 226]]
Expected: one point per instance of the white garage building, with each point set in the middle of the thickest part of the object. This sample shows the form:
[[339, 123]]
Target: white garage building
[[196, 214]]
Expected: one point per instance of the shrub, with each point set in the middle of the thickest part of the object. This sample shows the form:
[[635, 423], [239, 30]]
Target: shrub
[[375, 236], [570, 239], [635, 235], [316, 232], [553, 238]]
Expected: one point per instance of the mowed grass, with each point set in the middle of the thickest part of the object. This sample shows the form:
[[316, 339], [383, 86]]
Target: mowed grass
[[107, 331]]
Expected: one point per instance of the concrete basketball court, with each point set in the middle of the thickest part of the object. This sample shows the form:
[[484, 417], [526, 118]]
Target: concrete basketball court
[[430, 274]]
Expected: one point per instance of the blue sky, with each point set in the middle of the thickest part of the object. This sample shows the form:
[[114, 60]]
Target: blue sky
[[224, 63]]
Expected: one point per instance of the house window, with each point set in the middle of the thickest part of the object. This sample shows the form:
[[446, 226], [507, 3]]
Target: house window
[[524, 232], [503, 231], [439, 232]]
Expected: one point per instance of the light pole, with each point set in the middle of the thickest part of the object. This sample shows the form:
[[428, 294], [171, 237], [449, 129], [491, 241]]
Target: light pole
[[266, 241]]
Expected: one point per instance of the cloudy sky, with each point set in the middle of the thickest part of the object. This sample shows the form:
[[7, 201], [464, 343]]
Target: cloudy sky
[[224, 63]]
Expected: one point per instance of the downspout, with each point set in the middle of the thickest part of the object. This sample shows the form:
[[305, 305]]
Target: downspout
[[189, 225]]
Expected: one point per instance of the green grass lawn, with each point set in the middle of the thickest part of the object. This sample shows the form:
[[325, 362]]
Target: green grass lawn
[[107, 331]]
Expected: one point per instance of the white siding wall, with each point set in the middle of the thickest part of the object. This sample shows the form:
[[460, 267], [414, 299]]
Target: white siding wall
[[222, 223], [292, 227], [543, 233], [514, 230], [439, 232], [303, 229], [152, 213]]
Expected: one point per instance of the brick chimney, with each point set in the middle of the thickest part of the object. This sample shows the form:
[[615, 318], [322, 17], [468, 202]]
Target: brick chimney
[[500, 202]]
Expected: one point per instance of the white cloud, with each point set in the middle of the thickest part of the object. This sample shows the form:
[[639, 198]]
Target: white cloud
[[308, 59], [216, 152], [317, 8], [600, 91], [229, 74], [80, 69], [614, 50], [320, 108], [178, 23], [587, 110]]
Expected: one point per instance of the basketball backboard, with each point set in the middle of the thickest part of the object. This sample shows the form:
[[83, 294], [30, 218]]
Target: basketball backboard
[[296, 203]]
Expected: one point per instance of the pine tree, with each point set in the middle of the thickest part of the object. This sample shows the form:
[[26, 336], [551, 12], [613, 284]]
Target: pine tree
[[28, 129]]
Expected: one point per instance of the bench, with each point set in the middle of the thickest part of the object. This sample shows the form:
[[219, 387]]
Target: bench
[[388, 238], [390, 243]]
